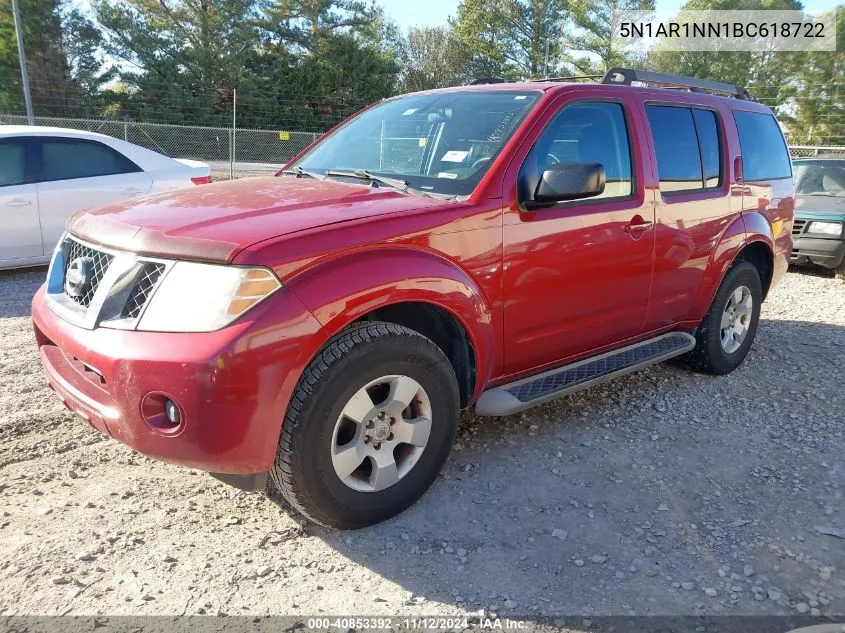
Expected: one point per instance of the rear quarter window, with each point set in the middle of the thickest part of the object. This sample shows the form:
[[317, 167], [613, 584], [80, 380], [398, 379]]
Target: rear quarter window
[[69, 159], [12, 163], [764, 153]]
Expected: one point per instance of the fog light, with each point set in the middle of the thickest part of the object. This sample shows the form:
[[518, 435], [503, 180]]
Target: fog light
[[172, 412], [162, 414]]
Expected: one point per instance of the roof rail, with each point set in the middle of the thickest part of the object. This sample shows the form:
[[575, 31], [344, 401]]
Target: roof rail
[[486, 80], [572, 78], [625, 76]]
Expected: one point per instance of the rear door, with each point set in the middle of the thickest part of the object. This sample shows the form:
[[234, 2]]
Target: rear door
[[694, 205], [20, 237], [76, 173]]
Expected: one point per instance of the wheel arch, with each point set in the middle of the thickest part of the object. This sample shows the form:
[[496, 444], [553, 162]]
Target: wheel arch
[[760, 255], [748, 238], [417, 289], [444, 329]]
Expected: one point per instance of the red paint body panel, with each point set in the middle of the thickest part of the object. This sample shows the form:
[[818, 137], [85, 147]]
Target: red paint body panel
[[531, 289], [213, 223], [233, 385]]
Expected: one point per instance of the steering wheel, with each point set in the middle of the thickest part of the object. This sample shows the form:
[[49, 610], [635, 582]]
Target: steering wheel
[[480, 162], [553, 160]]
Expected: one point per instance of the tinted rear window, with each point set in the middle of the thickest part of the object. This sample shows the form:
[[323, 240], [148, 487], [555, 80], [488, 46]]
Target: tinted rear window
[[764, 153], [676, 147], [708, 142], [71, 159]]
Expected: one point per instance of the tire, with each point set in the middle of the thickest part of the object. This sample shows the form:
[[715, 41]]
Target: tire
[[839, 271], [710, 354], [317, 434]]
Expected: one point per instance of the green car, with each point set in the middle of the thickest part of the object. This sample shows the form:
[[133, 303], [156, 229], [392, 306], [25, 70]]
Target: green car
[[818, 233]]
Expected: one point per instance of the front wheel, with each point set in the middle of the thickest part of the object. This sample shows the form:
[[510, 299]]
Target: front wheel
[[729, 327], [369, 426], [839, 271]]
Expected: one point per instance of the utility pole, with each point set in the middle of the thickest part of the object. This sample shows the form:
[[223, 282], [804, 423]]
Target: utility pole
[[22, 56]]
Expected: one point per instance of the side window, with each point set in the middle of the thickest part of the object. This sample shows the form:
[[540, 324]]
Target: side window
[[676, 148], [708, 141], [12, 163], [71, 159], [591, 132], [764, 153]]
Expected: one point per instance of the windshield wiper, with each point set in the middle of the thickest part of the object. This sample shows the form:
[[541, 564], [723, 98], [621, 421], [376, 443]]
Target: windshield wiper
[[393, 183], [299, 173], [363, 174]]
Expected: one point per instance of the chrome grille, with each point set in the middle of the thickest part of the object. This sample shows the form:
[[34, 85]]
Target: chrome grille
[[108, 289], [147, 279], [98, 262], [798, 226]]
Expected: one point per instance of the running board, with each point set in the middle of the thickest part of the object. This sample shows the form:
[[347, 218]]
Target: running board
[[528, 392]]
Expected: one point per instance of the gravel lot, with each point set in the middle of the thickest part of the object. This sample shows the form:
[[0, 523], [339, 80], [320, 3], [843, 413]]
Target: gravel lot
[[664, 492]]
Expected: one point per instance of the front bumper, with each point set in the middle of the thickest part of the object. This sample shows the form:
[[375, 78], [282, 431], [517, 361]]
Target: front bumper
[[232, 385], [827, 252]]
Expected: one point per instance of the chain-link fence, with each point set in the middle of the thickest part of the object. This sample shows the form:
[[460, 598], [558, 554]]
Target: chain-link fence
[[240, 152], [804, 151], [237, 152]]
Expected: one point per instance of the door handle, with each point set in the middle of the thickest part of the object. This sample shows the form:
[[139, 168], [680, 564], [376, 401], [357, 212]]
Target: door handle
[[131, 191], [638, 226], [18, 202]]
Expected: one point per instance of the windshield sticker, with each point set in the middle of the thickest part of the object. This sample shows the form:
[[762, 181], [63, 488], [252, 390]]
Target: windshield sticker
[[447, 174], [422, 142], [454, 156], [409, 111], [519, 97]]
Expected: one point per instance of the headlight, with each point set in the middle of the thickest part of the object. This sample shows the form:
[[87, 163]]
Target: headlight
[[825, 228], [205, 297]]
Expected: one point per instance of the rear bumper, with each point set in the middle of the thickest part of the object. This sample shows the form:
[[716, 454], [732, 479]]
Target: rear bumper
[[232, 386], [817, 250]]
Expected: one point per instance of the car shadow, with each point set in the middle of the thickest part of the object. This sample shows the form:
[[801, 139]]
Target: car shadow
[[812, 270], [633, 497], [18, 283]]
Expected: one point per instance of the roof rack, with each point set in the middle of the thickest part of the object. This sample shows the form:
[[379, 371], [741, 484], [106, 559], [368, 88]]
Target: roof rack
[[572, 78], [625, 76]]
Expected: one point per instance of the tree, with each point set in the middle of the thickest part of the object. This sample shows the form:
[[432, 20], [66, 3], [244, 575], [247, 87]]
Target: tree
[[433, 57], [817, 114], [181, 58], [324, 59], [592, 34], [769, 76], [308, 24], [54, 45], [514, 39]]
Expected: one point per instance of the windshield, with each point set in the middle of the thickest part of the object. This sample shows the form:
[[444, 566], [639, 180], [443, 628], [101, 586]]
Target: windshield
[[820, 177], [439, 143]]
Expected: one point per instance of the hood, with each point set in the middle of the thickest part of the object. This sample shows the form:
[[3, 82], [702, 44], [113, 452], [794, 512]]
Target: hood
[[213, 222], [806, 205]]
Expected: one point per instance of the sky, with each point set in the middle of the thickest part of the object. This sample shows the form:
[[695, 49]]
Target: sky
[[408, 13]]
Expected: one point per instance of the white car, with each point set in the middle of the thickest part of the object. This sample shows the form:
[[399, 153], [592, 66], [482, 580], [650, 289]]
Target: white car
[[47, 174]]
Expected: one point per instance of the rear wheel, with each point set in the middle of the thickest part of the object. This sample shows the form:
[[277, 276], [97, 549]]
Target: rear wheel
[[728, 329], [369, 427]]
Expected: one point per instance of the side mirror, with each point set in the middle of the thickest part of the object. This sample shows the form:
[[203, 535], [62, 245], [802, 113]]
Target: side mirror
[[568, 180]]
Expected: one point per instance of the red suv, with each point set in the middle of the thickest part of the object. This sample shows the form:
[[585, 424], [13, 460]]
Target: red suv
[[495, 245]]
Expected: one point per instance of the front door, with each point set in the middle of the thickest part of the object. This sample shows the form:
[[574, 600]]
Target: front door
[[20, 237], [577, 274]]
